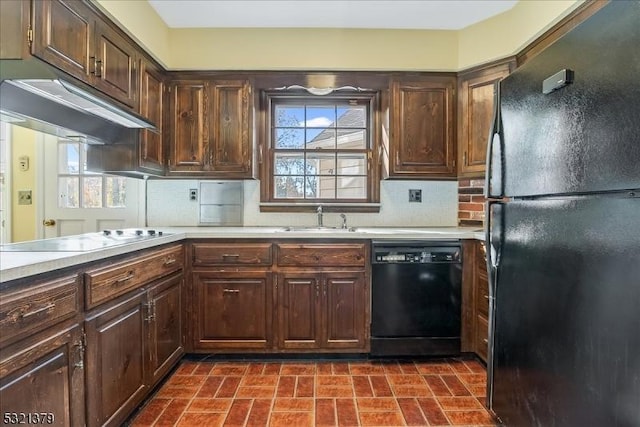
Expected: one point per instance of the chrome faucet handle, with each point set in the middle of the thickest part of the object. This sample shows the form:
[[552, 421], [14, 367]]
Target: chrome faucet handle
[[319, 210], [344, 220]]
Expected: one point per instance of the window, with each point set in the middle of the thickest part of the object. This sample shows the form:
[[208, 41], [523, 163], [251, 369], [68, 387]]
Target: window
[[79, 188], [320, 149]]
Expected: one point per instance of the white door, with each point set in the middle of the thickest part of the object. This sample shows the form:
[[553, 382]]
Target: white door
[[77, 201]]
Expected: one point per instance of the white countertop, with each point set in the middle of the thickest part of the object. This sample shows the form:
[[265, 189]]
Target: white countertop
[[16, 265]]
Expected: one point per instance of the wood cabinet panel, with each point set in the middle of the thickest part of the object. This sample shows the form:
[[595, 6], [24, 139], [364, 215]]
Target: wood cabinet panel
[[234, 310], [248, 254], [345, 305], [36, 307], [151, 148], [309, 255], [422, 128], [230, 136], [165, 328], [482, 337], [115, 357], [299, 310], [476, 102], [44, 374], [63, 35], [190, 134]]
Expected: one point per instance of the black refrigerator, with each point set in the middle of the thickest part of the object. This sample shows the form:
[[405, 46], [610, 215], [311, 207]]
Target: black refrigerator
[[563, 231]]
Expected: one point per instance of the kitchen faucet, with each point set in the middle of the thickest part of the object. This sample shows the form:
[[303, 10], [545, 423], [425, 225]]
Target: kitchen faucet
[[344, 221], [319, 210]]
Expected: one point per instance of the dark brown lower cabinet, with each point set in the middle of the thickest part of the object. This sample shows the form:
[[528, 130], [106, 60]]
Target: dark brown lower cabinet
[[475, 299], [322, 311], [132, 342], [42, 379], [116, 349], [233, 310]]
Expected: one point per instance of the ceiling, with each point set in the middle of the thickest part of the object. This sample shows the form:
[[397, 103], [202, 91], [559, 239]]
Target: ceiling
[[398, 14]]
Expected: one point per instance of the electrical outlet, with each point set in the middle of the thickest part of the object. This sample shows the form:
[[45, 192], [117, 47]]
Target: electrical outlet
[[415, 196], [24, 197], [193, 194]]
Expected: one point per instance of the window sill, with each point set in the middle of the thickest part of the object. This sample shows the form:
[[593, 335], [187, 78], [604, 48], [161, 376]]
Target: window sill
[[326, 207]]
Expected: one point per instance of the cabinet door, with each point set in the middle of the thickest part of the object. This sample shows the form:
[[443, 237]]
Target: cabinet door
[[234, 310], [44, 375], [189, 131], [299, 316], [230, 142], [165, 328], [476, 105], [115, 65], [62, 35], [422, 128], [115, 366], [344, 303], [151, 148]]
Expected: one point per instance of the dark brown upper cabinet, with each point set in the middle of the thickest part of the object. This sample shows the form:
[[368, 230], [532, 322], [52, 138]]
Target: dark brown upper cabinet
[[476, 103], [71, 37], [422, 130], [211, 134], [151, 148]]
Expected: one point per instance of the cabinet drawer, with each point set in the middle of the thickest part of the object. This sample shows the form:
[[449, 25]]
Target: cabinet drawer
[[482, 297], [482, 337], [330, 255], [105, 283], [38, 307], [231, 254]]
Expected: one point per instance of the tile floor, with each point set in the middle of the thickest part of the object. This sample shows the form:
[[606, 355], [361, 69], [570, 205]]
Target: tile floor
[[204, 393]]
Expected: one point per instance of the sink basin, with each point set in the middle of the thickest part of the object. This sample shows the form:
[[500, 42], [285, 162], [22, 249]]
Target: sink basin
[[320, 229]]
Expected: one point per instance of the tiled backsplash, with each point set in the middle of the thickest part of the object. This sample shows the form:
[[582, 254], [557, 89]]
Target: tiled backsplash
[[168, 204], [471, 202]]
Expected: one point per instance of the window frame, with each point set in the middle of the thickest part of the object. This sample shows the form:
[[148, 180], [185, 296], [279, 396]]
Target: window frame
[[267, 151]]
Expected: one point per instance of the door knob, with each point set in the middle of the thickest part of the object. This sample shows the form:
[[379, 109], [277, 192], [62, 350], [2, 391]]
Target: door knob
[[49, 222]]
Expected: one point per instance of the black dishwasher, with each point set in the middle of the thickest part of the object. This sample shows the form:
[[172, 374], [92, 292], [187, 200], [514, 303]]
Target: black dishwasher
[[416, 298]]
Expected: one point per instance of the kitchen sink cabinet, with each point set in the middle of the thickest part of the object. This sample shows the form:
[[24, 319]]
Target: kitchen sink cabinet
[[476, 101], [210, 129], [422, 127], [73, 38], [319, 308]]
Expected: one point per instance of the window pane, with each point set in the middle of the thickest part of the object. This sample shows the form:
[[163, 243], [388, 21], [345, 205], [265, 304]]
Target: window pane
[[352, 117], [352, 164], [354, 139], [68, 158], [288, 187], [289, 138], [327, 187], [321, 138], [289, 116], [289, 164], [352, 187], [69, 192], [321, 164], [320, 116], [115, 191], [92, 192]]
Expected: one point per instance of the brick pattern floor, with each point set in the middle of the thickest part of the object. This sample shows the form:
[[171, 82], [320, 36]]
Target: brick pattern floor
[[332, 393]]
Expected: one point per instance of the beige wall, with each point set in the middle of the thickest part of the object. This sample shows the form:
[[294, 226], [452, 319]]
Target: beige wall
[[23, 217], [336, 49]]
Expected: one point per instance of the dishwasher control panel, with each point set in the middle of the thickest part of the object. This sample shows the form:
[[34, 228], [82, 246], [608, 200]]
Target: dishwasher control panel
[[415, 255]]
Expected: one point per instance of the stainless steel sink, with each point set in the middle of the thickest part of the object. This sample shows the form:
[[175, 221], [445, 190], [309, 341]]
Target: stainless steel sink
[[320, 229]]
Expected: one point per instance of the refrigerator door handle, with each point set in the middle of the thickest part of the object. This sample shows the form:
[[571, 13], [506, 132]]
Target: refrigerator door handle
[[493, 260], [495, 133]]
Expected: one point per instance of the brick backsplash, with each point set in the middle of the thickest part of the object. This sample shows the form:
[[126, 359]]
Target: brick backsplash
[[471, 202]]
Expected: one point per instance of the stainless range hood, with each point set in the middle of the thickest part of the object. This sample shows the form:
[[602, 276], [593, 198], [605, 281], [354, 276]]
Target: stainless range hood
[[64, 109]]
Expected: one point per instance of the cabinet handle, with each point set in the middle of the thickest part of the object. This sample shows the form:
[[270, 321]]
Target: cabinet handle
[[231, 291], [130, 275], [464, 159], [168, 261], [40, 310], [230, 256], [299, 282], [486, 297], [80, 346], [486, 341], [150, 312], [317, 291], [342, 282], [98, 72], [93, 61], [483, 248]]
